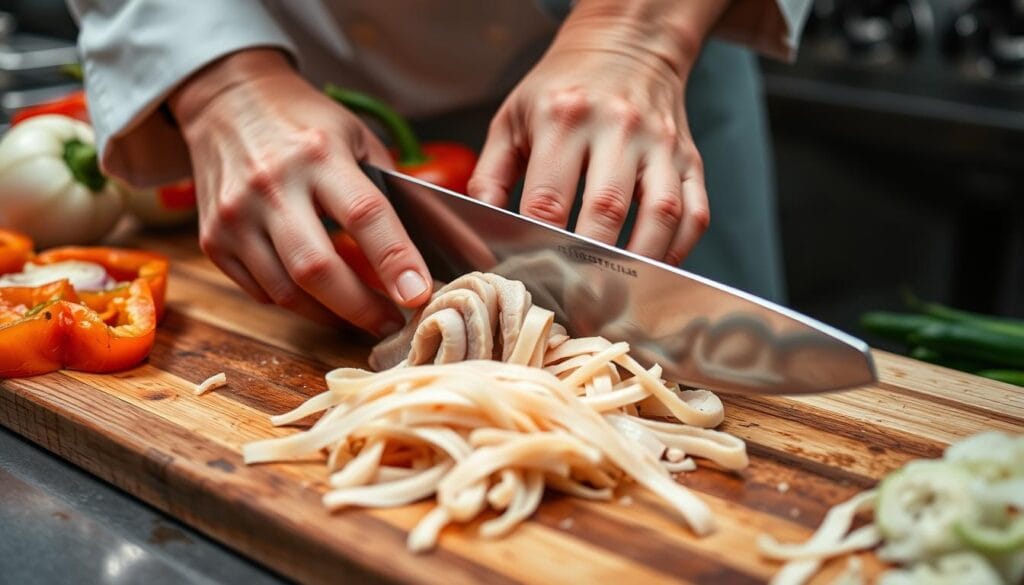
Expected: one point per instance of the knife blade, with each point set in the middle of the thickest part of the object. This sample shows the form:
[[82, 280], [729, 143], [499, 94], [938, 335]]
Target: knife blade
[[703, 333]]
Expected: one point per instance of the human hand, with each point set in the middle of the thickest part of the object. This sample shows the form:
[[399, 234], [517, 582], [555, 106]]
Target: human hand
[[606, 102], [270, 153]]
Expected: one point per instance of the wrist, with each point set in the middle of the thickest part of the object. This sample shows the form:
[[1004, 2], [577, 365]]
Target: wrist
[[246, 68], [672, 31]]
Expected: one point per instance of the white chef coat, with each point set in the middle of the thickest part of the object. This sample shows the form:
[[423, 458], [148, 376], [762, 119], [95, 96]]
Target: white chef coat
[[423, 56]]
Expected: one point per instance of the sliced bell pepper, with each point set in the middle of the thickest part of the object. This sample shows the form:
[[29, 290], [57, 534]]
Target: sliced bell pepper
[[18, 302], [32, 328], [178, 196], [445, 164], [122, 265], [72, 105], [15, 251], [94, 346], [46, 328]]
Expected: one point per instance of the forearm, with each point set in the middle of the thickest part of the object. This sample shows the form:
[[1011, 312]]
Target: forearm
[[672, 30]]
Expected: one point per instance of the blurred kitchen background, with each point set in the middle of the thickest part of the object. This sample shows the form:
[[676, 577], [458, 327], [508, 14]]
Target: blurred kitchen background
[[898, 135]]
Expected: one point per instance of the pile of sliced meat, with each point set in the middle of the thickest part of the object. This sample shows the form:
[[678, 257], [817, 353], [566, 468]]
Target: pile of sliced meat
[[482, 401], [478, 316]]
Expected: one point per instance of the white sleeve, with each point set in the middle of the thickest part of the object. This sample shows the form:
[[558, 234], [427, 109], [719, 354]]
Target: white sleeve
[[135, 52], [771, 27]]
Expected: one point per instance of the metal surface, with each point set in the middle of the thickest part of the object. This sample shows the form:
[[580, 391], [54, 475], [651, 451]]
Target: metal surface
[[26, 51], [703, 333], [60, 525]]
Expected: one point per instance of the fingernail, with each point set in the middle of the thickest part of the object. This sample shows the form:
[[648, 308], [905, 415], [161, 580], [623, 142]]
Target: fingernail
[[390, 327], [411, 285]]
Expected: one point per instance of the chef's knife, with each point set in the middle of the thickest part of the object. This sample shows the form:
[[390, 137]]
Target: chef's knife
[[703, 333]]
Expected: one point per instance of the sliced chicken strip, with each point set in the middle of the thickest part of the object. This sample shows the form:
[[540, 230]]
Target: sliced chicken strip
[[389, 495], [524, 503], [513, 303], [392, 350], [529, 347], [440, 338], [483, 287], [479, 333], [559, 412]]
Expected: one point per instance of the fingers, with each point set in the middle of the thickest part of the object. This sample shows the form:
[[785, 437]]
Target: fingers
[[310, 275], [552, 175], [259, 255], [215, 224], [611, 176], [237, 272], [353, 200], [696, 216], [660, 212], [499, 167]]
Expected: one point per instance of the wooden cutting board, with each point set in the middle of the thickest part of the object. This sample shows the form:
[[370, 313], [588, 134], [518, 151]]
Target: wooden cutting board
[[145, 432]]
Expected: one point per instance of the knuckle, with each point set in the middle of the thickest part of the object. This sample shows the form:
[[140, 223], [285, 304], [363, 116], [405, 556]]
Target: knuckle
[[394, 255], [264, 175], [546, 204], [363, 210], [701, 218], [666, 132], [693, 161], [674, 257], [667, 210], [625, 114], [309, 268], [314, 144], [568, 107], [610, 205], [697, 163], [209, 244], [230, 208], [285, 294]]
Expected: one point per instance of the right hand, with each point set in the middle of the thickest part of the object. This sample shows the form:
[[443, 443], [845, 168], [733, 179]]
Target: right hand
[[270, 153]]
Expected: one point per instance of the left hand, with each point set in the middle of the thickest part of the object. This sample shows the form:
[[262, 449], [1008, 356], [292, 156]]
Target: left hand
[[607, 100]]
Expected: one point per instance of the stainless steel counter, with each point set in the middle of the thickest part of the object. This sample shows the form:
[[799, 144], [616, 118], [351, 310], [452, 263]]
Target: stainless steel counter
[[59, 524]]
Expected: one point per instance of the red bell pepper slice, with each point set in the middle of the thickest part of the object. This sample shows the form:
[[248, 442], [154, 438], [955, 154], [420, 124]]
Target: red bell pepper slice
[[178, 196], [72, 105], [446, 164]]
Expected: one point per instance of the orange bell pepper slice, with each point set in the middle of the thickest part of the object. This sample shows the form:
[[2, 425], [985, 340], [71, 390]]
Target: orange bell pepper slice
[[123, 266], [32, 328], [34, 344], [16, 302], [94, 346], [15, 251], [46, 328]]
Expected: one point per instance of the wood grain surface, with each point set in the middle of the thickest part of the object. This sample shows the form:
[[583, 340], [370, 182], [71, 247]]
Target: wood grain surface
[[144, 431]]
